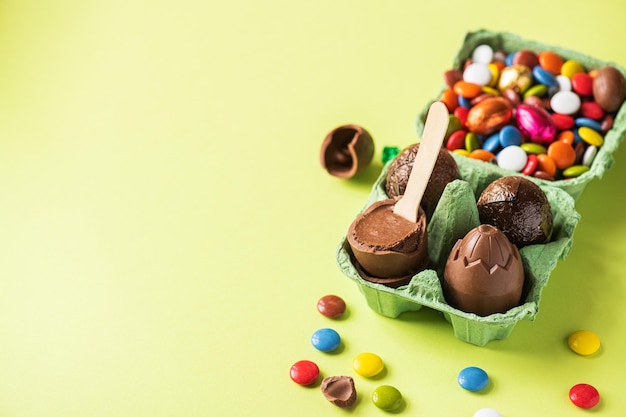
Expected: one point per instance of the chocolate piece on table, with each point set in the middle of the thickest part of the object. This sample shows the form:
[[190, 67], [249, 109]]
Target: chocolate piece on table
[[347, 150], [339, 390]]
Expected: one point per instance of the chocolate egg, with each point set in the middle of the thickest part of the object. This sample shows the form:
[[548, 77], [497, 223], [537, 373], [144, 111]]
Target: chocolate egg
[[484, 273], [347, 150], [609, 88], [515, 77], [519, 208], [489, 116], [535, 123], [445, 171]]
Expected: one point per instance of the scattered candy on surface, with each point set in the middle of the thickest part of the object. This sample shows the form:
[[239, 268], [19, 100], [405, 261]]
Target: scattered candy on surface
[[487, 412], [339, 390], [367, 364], [584, 396], [325, 340], [389, 152], [524, 97], [387, 398], [473, 378], [584, 342], [304, 372], [331, 306]]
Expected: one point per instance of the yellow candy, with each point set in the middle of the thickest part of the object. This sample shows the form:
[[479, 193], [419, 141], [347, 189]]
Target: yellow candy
[[590, 136], [491, 90], [495, 74], [571, 67], [367, 364], [584, 342], [463, 152]]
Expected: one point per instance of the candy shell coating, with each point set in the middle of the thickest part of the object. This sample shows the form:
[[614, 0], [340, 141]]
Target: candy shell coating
[[367, 364], [513, 158], [590, 136], [477, 73], [487, 412], [331, 306], [304, 372], [584, 342], [589, 155], [473, 378], [482, 54], [584, 395], [565, 102], [387, 398], [325, 340]]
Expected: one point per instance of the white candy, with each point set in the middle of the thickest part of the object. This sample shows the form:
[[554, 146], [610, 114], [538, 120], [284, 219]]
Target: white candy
[[512, 157], [589, 155], [483, 54], [487, 412], [565, 102], [565, 84], [477, 73]]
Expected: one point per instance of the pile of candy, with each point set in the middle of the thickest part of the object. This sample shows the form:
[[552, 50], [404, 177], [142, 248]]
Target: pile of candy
[[533, 113], [340, 390]]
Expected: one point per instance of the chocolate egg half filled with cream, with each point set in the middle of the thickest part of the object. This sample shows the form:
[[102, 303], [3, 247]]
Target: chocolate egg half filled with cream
[[445, 171], [519, 208], [484, 273]]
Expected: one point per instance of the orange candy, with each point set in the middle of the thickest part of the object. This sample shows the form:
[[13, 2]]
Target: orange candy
[[550, 61], [483, 155], [467, 90], [546, 164], [566, 136], [562, 154], [450, 99]]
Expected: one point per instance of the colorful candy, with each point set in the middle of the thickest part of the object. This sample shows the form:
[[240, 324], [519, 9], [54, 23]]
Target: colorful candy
[[304, 372], [473, 378], [325, 340], [528, 101], [367, 364], [487, 412], [387, 398], [584, 396], [331, 306], [584, 342]]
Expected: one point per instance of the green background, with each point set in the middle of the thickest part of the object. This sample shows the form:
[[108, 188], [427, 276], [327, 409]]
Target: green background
[[166, 228]]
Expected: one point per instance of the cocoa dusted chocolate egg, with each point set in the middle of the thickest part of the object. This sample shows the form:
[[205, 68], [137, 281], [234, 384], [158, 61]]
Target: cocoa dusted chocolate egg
[[445, 171], [484, 273], [519, 208]]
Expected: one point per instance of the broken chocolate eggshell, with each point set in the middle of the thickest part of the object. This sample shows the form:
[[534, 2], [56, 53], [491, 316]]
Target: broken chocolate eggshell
[[484, 273], [347, 150], [339, 390]]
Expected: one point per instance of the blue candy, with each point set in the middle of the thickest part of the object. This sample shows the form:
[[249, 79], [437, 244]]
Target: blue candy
[[473, 378], [325, 340], [586, 122], [492, 143], [509, 59], [510, 135], [465, 102], [544, 76]]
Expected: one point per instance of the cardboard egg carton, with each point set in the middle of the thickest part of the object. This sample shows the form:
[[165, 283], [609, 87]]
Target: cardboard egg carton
[[455, 215], [510, 43]]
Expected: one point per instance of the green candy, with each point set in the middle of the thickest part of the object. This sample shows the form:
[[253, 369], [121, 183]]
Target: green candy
[[389, 152], [575, 170], [387, 398], [538, 90], [472, 142], [533, 148]]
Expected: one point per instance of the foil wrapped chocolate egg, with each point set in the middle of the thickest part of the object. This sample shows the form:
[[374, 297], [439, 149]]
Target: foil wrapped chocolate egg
[[489, 116], [484, 273], [519, 208], [609, 88], [535, 123], [515, 77], [445, 171]]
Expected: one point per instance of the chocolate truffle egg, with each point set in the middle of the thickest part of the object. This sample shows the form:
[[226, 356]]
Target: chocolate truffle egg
[[445, 171], [484, 273], [519, 208]]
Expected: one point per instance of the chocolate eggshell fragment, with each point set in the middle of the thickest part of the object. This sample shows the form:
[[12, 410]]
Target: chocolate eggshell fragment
[[387, 245], [347, 150], [339, 390], [519, 208], [445, 171], [484, 273], [609, 88]]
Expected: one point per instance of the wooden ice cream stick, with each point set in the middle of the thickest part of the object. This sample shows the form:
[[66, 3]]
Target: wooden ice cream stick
[[432, 138]]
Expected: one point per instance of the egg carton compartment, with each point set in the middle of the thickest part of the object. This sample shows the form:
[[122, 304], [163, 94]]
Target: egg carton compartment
[[510, 43], [455, 215]]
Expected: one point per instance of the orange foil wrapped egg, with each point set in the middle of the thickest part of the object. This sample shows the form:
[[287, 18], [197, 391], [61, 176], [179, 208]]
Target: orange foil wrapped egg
[[489, 115], [484, 273]]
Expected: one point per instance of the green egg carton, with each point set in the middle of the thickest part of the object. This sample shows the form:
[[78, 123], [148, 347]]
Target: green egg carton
[[455, 215], [510, 43]]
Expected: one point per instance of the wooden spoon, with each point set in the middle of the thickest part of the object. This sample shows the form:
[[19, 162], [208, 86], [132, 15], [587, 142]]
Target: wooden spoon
[[432, 139]]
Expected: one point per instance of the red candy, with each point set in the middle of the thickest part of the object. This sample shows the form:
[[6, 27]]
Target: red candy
[[562, 121], [461, 114], [582, 84], [584, 395], [456, 140], [531, 165], [591, 110], [304, 372]]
